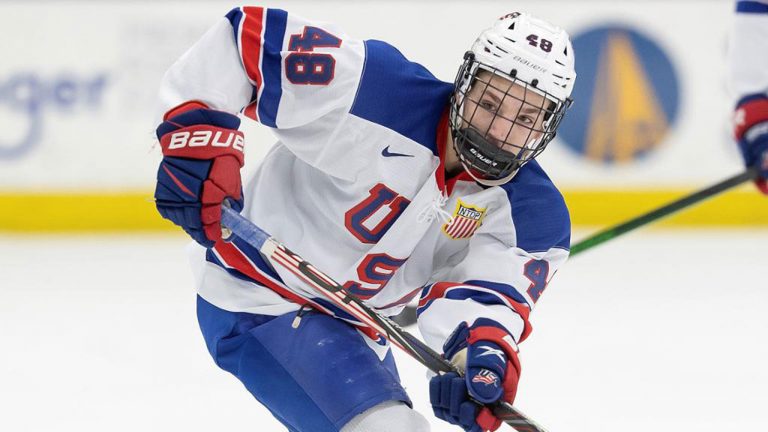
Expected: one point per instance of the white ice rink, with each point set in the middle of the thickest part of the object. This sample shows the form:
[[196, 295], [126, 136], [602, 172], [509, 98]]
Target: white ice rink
[[661, 331]]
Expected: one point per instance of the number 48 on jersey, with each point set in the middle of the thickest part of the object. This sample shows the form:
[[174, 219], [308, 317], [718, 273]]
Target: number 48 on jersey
[[305, 67]]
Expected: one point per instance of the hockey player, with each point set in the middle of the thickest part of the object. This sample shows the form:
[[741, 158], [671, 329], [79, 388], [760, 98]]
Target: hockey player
[[748, 79], [383, 177]]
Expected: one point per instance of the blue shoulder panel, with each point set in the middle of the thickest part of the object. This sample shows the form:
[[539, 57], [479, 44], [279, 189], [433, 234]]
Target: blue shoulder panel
[[538, 210], [400, 95]]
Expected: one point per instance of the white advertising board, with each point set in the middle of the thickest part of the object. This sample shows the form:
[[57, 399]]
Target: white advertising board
[[651, 115], [78, 85]]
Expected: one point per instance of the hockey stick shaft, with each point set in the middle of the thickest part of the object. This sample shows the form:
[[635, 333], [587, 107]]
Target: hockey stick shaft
[[333, 291], [663, 211]]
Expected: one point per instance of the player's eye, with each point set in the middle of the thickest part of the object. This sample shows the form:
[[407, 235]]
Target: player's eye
[[525, 119], [488, 105]]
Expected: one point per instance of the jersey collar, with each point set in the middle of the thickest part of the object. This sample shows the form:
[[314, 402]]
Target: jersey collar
[[446, 185]]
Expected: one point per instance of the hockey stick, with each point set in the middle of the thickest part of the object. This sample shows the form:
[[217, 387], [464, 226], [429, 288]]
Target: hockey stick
[[408, 315], [663, 211], [333, 291]]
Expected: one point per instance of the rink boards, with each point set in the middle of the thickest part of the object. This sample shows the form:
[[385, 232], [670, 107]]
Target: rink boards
[[650, 122]]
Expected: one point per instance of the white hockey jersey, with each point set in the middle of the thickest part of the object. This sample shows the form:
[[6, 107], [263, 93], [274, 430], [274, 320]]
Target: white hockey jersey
[[748, 49], [355, 183]]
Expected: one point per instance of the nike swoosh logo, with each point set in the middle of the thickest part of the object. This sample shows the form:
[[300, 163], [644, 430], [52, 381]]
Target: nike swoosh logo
[[387, 153]]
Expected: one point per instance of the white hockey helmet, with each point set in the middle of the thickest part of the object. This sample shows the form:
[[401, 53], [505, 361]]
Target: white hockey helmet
[[538, 59]]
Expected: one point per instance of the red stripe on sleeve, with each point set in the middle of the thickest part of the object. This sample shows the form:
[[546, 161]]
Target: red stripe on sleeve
[[251, 111], [251, 44], [438, 291]]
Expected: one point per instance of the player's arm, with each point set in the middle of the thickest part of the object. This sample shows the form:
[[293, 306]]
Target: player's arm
[[748, 79], [489, 318], [277, 68], [291, 75], [480, 314]]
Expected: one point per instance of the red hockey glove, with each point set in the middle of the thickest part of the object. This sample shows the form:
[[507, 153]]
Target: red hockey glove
[[203, 154], [751, 130], [488, 355]]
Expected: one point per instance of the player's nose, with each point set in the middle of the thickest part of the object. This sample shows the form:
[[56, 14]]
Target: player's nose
[[500, 130]]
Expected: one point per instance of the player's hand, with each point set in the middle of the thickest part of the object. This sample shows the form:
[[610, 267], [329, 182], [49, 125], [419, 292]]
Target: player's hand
[[486, 353], [751, 129], [202, 157]]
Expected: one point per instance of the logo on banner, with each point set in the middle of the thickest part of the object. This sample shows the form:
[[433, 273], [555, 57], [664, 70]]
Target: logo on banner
[[27, 100], [465, 221], [626, 97]]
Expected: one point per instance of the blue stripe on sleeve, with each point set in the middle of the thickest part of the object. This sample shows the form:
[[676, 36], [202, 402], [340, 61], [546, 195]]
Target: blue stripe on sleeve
[[751, 7], [421, 309], [470, 294], [271, 66], [424, 293], [505, 289], [400, 95], [235, 16], [539, 212], [464, 293]]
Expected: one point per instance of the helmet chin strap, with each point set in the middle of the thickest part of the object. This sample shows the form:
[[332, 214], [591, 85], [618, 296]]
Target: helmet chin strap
[[531, 146], [487, 182]]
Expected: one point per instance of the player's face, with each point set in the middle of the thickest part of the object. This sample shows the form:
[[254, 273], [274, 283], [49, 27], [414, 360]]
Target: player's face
[[505, 113]]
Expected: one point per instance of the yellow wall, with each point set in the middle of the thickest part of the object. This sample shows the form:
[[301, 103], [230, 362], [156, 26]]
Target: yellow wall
[[134, 210]]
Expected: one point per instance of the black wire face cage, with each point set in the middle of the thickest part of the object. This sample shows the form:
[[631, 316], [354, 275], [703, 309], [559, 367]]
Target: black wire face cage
[[498, 126]]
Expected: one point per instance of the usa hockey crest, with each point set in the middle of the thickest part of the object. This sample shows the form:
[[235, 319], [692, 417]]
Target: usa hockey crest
[[465, 221]]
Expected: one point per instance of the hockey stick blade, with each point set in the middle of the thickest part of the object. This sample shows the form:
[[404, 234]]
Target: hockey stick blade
[[278, 254]]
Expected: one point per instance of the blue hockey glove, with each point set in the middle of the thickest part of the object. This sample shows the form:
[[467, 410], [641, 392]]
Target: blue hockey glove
[[203, 154], [751, 130], [487, 353]]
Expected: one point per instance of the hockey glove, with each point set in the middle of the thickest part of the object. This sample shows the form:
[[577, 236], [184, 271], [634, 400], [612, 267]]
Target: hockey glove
[[751, 129], [488, 354], [202, 157]]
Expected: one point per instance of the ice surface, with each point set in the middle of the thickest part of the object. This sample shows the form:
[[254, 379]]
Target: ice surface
[[656, 331]]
